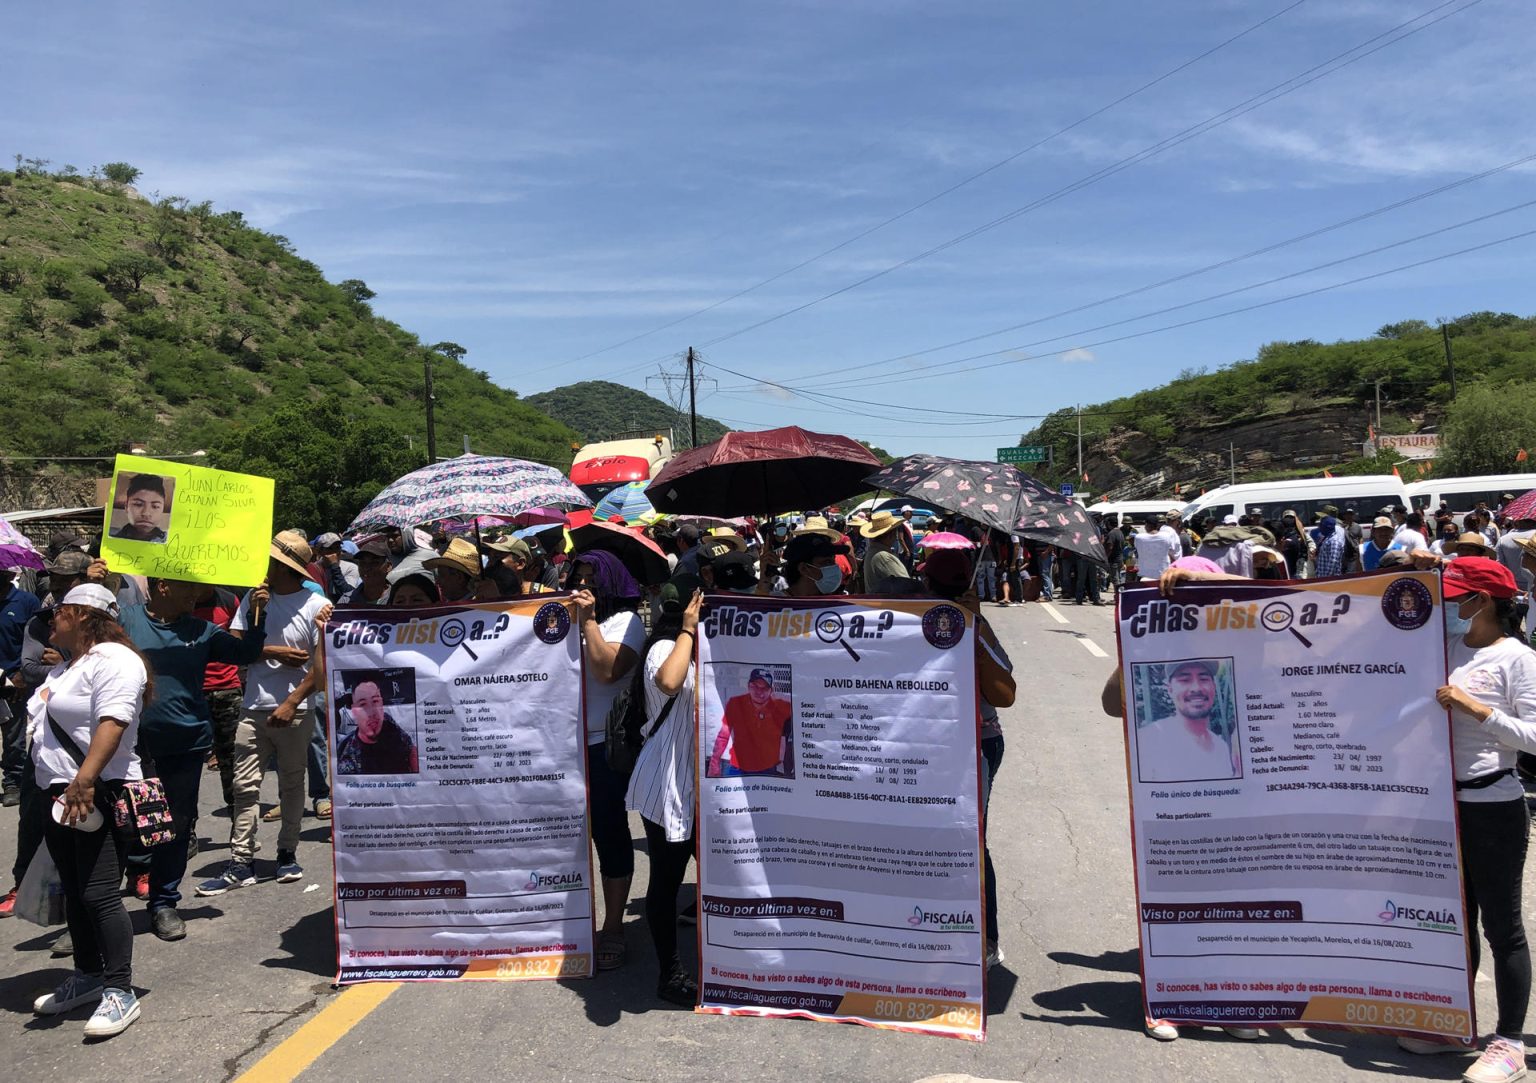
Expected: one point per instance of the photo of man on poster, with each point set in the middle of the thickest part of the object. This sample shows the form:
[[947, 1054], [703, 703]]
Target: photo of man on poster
[[755, 730], [146, 508], [1184, 731], [377, 744]]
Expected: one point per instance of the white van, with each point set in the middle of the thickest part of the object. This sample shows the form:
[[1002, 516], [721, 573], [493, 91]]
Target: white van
[[1463, 494], [1367, 495], [1120, 512]]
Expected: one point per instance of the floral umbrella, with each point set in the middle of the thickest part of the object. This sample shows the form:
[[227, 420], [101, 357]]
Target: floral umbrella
[[465, 488], [16, 549], [995, 495], [1522, 506]]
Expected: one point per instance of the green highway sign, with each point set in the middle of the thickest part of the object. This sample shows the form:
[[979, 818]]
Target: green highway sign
[[1039, 454]]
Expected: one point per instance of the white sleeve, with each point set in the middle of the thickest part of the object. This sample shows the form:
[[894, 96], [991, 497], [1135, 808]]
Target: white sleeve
[[1517, 729], [242, 618], [117, 687], [634, 634]]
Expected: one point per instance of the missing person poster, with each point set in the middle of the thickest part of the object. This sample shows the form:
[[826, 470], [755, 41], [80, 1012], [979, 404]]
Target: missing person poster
[[839, 838], [458, 776], [170, 520], [1292, 805]]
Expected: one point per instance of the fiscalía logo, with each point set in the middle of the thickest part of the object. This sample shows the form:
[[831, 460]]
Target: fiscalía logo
[[1424, 918], [954, 921], [538, 881], [552, 622]]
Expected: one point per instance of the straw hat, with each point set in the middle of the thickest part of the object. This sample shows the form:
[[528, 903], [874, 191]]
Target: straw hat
[[1473, 540], [723, 539], [817, 524], [880, 523], [460, 556], [291, 550]]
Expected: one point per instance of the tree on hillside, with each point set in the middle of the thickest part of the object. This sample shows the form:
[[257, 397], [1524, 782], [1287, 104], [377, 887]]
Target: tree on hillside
[[1402, 329], [450, 350], [1484, 430], [357, 291], [120, 172], [129, 270]]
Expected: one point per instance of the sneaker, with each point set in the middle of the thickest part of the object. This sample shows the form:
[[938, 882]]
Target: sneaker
[[233, 876], [141, 886], [8, 903], [679, 988], [1163, 1032], [10, 797], [288, 868], [323, 807], [167, 924], [1501, 1062], [193, 846], [1429, 1047], [116, 1012], [1246, 1034], [63, 947], [78, 989], [690, 914]]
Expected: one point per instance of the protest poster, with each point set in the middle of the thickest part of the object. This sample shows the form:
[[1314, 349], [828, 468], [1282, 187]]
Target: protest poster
[[170, 520], [458, 781], [1292, 805], [838, 828]]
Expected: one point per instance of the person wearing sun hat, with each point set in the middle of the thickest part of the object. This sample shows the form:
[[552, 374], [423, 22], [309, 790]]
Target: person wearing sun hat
[[1491, 697], [884, 571], [275, 718], [457, 570]]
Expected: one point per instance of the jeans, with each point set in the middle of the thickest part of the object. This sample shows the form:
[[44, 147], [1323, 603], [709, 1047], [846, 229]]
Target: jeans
[[225, 708], [181, 773], [669, 864], [1047, 588], [256, 742], [318, 767], [992, 754], [1116, 575], [90, 873], [1493, 836], [1087, 580], [610, 823], [986, 574]]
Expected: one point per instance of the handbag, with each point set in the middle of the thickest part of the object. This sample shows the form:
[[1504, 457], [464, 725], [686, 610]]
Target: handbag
[[140, 810], [625, 724]]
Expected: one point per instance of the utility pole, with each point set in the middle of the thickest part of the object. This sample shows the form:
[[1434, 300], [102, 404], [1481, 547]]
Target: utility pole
[[1450, 362], [1232, 464], [1079, 443], [693, 404], [1378, 405], [431, 400]]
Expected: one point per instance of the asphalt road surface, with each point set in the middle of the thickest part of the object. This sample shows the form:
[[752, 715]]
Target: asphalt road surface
[[257, 963]]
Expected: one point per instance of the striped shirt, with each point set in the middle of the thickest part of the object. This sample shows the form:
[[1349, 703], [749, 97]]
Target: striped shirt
[[662, 786]]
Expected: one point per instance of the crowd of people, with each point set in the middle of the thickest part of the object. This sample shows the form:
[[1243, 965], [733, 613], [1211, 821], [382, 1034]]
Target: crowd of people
[[113, 679]]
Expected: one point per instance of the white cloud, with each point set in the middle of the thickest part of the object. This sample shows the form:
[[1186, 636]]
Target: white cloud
[[772, 391], [1079, 356]]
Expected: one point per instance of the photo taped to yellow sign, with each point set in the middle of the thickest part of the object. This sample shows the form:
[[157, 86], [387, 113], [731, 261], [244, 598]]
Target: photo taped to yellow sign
[[174, 521]]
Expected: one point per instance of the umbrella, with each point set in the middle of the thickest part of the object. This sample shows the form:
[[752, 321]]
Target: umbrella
[[776, 470], [628, 502], [16, 549], [946, 539], [466, 487], [995, 495], [643, 557], [1522, 507], [707, 522]]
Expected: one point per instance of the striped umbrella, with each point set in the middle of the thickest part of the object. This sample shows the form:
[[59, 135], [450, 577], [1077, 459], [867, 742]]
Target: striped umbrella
[[16, 549], [467, 487], [629, 502]]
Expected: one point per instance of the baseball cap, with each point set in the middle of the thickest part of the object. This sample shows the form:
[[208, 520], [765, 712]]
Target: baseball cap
[[1393, 558], [688, 532], [96, 596], [676, 592], [761, 675], [1382, 521], [1206, 664], [1474, 575], [374, 547], [735, 571], [69, 562], [328, 540]]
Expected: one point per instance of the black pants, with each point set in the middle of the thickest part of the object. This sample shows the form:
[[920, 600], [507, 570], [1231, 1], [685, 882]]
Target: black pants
[[669, 864], [13, 736], [29, 829], [90, 872], [992, 759], [610, 823], [1494, 835], [181, 774]]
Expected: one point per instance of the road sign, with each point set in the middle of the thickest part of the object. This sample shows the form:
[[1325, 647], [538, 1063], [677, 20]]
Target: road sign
[[1036, 454], [1067, 489]]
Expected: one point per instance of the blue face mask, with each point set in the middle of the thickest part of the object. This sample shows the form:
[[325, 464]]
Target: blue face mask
[[829, 578], [1455, 623]]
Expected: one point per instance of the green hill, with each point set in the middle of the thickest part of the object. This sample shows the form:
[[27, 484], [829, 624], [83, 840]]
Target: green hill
[[1298, 408], [169, 324], [597, 409]]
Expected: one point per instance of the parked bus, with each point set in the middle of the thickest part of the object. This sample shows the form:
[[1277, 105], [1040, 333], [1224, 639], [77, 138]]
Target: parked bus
[[603, 466]]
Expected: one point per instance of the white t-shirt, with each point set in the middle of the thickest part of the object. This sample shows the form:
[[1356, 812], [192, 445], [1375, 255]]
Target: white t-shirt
[[290, 623], [1154, 552], [662, 786], [625, 628], [106, 682], [1409, 539], [1167, 752], [1501, 675]]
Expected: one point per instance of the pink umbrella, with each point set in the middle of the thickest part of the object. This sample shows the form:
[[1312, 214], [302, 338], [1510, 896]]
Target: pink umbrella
[[946, 539], [1522, 507]]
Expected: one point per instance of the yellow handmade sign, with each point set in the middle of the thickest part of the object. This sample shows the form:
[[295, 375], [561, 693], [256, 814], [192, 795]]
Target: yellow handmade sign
[[174, 521]]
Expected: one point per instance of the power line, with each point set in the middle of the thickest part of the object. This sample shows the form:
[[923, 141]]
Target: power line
[[955, 187], [1279, 90]]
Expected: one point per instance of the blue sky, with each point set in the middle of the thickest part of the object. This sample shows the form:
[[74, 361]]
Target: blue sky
[[539, 182]]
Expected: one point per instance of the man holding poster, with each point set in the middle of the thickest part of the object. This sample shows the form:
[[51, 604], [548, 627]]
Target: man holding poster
[[842, 880], [1314, 880]]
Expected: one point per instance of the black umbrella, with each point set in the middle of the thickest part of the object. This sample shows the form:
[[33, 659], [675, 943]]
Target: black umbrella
[[761, 473], [995, 495]]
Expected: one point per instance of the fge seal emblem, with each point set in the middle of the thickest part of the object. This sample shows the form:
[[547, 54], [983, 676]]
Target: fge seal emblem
[[943, 626], [1407, 605], [552, 623]]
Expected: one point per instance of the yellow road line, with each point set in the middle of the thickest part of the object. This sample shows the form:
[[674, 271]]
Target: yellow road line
[[305, 1045]]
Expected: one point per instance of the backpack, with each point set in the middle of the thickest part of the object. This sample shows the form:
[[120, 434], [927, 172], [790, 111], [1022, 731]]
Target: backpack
[[625, 723]]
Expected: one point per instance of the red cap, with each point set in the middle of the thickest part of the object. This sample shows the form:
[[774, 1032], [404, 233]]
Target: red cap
[[1478, 575]]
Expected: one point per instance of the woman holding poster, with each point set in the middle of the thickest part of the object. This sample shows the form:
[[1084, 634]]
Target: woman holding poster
[[1491, 696]]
